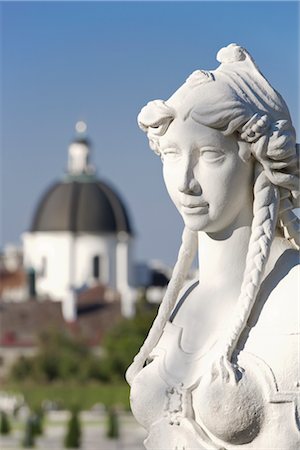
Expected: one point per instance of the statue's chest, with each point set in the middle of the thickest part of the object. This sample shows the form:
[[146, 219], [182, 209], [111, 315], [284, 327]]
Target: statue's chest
[[235, 414], [204, 317], [175, 400]]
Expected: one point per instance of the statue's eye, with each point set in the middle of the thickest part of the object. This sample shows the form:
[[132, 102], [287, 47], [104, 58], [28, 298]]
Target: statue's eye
[[170, 152], [212, 155]]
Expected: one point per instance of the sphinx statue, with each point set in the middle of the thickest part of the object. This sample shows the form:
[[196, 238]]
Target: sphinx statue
[[220, 366]]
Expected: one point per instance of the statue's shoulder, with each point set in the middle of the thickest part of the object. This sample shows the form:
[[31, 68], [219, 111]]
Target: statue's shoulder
[[283, 283], [273, 326], [277, 305]]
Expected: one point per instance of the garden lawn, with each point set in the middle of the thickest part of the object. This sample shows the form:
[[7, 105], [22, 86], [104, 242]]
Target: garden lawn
[[68, 395]]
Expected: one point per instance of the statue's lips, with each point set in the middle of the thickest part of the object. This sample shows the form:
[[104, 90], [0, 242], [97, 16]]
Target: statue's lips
[[197, 208]]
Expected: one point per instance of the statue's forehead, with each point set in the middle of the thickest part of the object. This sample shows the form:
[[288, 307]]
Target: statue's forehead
[[190, 97], [187, 131]]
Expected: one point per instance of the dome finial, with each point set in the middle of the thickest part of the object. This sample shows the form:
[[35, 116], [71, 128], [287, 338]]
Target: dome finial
[[81, 127], [79, 152]]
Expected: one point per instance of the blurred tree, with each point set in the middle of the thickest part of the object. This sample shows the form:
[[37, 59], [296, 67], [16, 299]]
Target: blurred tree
[[37, 420], [29, 436], [112, 424], [73, 436], [61, 356], [21, 369], [4, 423], [122, 343]]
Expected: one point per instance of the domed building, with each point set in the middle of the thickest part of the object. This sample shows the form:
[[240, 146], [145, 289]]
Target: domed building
[[80, 236]]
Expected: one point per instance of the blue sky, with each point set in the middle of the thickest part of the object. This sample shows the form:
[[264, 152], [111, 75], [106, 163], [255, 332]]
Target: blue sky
[[101, 62]]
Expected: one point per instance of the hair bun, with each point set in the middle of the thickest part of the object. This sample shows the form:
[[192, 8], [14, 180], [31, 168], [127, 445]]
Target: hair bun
[[232, 53]]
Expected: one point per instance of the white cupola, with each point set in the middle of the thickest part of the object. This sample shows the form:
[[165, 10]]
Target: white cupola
[[79, 152], [80, 235]]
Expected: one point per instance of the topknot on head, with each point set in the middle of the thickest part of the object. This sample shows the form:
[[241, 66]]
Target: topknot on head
[[232, 53]]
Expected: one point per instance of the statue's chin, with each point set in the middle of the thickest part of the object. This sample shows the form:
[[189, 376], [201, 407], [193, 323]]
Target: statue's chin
[[196, 223]]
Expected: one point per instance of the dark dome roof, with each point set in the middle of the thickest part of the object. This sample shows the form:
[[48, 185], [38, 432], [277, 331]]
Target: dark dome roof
[[81, 206]]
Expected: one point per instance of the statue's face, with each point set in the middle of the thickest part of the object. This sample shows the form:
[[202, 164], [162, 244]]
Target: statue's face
[[207, 180]]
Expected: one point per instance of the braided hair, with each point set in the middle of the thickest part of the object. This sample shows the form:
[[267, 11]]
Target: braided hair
[[249, 107]]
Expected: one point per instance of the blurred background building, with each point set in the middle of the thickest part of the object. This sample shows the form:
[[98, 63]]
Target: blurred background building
[[76, 267], [80, 237]]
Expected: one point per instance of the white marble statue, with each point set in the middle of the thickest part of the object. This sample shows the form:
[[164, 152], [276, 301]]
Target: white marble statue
[[220, 367]]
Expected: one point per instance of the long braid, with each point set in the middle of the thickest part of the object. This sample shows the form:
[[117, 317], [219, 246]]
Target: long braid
[[288, 220], [265, 209], [279, 155], [185, 258]]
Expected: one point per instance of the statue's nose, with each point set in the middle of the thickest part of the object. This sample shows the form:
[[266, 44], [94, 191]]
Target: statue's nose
[[189, 184]]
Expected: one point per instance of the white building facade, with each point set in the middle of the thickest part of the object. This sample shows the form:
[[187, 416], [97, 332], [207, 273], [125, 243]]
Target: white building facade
[[80, 236]]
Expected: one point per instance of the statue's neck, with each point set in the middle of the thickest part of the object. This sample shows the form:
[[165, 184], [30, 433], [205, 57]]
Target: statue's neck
[[222, 258]]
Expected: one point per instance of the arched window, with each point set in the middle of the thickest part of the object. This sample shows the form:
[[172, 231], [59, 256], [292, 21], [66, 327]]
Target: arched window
[[31, 277], [96, 267], [43, 272]]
